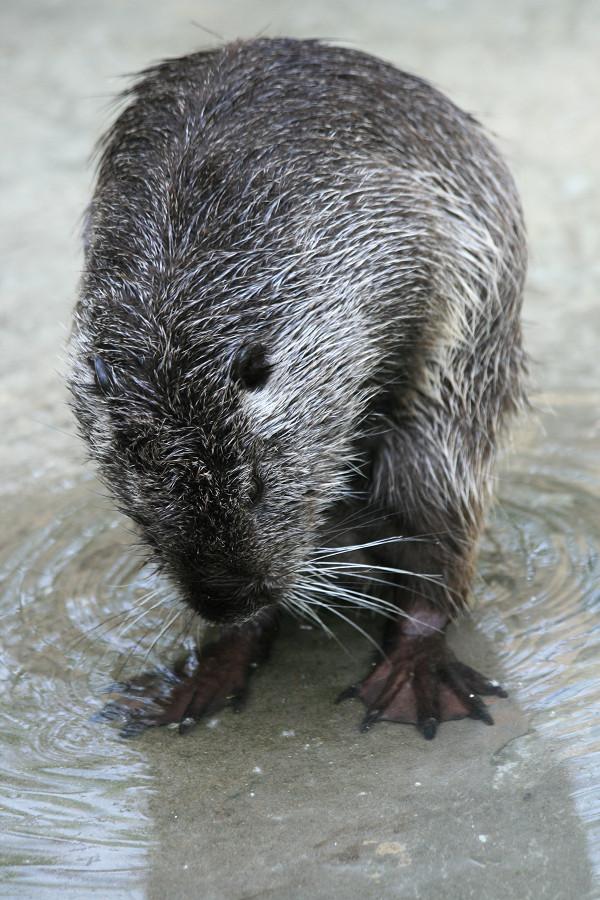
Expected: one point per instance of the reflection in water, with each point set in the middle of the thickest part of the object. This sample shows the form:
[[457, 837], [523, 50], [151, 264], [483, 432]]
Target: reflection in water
[[76, 609]]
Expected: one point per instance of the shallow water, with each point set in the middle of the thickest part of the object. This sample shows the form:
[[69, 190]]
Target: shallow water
[[77, 802], [541, 604]]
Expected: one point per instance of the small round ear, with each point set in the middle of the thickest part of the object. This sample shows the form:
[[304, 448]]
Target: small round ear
[[105, 380], [251, 367]]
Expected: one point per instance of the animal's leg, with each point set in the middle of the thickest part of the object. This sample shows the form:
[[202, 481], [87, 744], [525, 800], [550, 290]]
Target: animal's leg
[[216, 678], [418, 679]]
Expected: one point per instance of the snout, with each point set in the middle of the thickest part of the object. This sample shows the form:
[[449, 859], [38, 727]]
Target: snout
[[230, 597]]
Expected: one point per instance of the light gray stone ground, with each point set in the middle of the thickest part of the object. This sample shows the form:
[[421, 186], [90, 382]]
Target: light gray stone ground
[[480, 812]]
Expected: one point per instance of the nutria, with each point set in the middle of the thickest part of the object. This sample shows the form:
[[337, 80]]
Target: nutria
[[299, 309]]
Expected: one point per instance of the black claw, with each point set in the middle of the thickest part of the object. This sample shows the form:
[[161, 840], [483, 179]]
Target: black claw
[[480, 711], [429, 728], [477, 683], [348, 693], [133, 729], [238, 701], [187, 724], [489, 689], [110, 712], [370, 719], [455, 677]]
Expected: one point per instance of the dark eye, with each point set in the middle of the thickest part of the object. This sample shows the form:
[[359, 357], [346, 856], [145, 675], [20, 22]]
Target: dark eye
[[104, 376], [257, 490], [251, 367]]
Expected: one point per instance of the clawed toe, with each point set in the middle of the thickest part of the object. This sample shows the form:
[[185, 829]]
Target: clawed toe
[[348, 693], [370, 719], [179, 696], [422, 683], [477, 683], [428, 728]]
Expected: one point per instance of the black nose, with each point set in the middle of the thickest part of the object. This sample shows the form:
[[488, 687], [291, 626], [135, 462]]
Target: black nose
[[236, 586], [229, 596]]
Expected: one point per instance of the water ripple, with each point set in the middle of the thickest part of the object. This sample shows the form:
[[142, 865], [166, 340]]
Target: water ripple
[[70, 618], [541, 601], [68, 584]]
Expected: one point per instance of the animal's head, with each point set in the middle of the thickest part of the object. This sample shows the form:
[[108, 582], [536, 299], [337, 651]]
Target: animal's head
[[225, 436]]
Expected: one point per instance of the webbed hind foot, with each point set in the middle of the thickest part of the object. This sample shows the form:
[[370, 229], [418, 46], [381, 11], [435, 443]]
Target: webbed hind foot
[[421, 682]]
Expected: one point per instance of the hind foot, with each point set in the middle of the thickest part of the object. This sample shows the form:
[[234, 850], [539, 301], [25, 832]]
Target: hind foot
[[421, 682], [201, 686]]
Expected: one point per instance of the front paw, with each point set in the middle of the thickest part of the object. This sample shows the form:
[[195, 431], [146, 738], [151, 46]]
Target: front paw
[[182, 696], [422, 682]]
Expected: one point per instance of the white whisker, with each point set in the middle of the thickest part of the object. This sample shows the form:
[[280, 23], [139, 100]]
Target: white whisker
[[351, 548], [336, 611], [171, 621]]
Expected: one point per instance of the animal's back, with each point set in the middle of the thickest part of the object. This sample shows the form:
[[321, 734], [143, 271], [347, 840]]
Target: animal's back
[[330, 178]]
